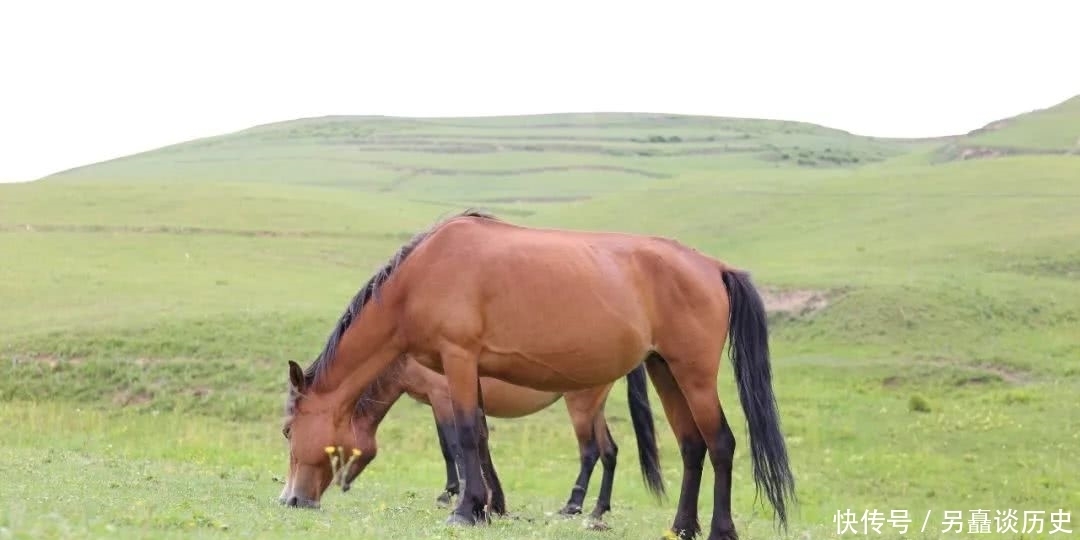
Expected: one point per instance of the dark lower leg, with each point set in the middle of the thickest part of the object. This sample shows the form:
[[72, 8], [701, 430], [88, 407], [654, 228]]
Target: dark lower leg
[[608, 458], [700, 393], [589, 453], [463, 381], [453, 482], [722, 454], [691, 445], [497, 498], [686, 523], [473, 500]]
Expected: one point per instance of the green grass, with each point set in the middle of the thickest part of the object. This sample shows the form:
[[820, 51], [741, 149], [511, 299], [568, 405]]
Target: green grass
[[151, 303], [1053, 128]]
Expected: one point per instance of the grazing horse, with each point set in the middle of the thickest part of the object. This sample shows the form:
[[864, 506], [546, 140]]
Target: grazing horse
[[504, 400], [553, 310]]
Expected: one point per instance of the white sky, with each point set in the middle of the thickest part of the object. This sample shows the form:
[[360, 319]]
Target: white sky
[[87, 81]]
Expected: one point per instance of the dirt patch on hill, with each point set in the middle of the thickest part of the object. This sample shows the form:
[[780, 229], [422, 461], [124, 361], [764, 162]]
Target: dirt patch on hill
[[992, 126], [796, 302], [972, 373], [980, 152], [963, 152], [982, 372], [891, 381], [128, 398]]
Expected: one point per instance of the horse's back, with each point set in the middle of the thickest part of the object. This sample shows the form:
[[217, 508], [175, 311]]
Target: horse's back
[[552, 309], [493, 266]]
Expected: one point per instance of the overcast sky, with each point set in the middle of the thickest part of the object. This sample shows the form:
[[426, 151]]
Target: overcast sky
[[87, 81]]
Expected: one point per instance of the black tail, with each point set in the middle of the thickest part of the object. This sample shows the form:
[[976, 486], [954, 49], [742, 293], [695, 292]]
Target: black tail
[[637, 395], [750, 360]]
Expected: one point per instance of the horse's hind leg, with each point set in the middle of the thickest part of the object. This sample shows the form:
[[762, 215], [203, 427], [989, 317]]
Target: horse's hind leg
[[609, 453], [694, 369], [589, 453], [583, 406], [691, 446]]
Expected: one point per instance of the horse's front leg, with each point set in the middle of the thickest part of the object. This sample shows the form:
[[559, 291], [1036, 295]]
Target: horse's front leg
[[496, 498], [453, 480], [462, 376]]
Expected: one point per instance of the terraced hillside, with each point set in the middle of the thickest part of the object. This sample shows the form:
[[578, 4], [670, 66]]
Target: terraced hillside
[[544, 158], [924, 318]]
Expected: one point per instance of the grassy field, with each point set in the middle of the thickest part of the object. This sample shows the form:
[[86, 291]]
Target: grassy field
[[925, 314]]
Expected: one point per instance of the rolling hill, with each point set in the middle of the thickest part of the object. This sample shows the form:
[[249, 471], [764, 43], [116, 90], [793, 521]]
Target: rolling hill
[[492, 160], [1049, 131]]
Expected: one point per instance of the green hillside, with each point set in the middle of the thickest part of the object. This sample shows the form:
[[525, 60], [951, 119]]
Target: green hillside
[[1053, 130], [492, 160], [924, 309]]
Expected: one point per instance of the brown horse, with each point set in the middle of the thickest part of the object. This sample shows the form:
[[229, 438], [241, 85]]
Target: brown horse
[[505, 400], [558, 311]]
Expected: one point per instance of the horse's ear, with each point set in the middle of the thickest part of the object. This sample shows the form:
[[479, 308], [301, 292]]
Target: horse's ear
[[296, 376]]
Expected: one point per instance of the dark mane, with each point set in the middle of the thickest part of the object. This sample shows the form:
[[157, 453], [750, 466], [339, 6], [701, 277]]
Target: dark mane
[[371, 290]]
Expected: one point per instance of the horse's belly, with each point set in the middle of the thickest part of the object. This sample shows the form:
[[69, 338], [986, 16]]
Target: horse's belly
[[506, 400], [561, 373]]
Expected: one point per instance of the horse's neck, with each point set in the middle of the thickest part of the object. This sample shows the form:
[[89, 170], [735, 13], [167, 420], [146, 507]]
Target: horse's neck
[[365, 351]]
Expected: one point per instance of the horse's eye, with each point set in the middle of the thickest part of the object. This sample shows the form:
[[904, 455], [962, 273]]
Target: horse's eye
[[285, 431]]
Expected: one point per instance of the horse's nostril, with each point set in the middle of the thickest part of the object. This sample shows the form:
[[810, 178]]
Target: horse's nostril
[[293, 501]]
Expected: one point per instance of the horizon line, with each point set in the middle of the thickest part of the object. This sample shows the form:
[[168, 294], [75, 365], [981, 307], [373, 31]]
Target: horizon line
[[926, 138]]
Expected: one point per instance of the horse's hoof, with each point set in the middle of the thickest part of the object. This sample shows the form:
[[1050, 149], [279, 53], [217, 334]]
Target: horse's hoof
[[569, 510], [444, 499], [460, 520]]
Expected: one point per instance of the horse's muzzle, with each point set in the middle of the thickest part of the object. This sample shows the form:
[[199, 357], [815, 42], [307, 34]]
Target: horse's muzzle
[[300, 502]]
